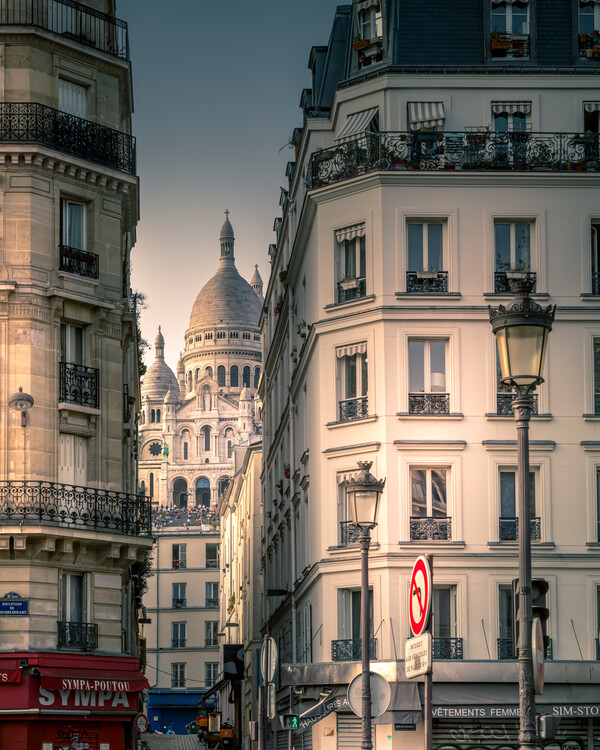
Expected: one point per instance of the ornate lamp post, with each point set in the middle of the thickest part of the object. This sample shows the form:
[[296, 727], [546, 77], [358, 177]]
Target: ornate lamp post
[[521, 330], [364, 494], [21, 402]]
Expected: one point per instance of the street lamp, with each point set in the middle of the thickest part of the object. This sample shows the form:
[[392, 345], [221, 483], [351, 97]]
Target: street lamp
[[21, 402], [521, 330], [364, 494]]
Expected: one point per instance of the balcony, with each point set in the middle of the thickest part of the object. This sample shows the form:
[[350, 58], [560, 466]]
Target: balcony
[[502, 284], [506, 651], [447, 648], [76, 507], [82, 636], [351, 289], [596, 283], [427, 282], [481, 151], [430, 529], [509, 45], [179, 603], [78, 385], [508, 529], [354, 408], [429, 403], [71, 20], [79, 262], [212, 563], [349, 533], [212, 604], [178, 564], [27, 122], [350, 649], [504, 404]]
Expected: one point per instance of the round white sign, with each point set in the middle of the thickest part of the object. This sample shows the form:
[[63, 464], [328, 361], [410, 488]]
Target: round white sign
[[141, 722], [268, 659], [381, 694]]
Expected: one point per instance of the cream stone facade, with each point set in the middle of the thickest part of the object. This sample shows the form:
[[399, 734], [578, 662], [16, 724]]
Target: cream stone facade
[[73, 529]]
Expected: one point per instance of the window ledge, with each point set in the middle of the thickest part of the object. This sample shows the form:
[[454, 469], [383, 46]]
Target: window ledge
[[509, 295], [362, 420], [77, 407], [407, 415], [589, 296], [432, 542], [350, 303], [591, 417], [79, 277], [593, 545], [428, 295], [501, 417], [514, 544]]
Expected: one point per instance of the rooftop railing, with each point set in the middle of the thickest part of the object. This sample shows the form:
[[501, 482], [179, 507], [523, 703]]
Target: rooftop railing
[[72, 20], [38, 502], [478, 150]]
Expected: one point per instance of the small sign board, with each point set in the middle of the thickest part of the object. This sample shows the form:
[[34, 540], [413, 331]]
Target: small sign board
[[381, 694], [419, 597], [14, 604], [417, 655]]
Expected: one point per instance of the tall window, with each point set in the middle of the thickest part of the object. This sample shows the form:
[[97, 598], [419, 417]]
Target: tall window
[[512, 252], [151, 485], [246, 377], [369, 21], [351, 263], [211, 628], [352, 382], [256, 376], [427, 385], [429, 493], [234, 376], [212, 555], [425, 246], [444, 606], [179, 556], [221, 379], [206, 438], [596, 375], [178, 634], [510, 17], [589, 16], [178, 675], [595, 250], [202, 493], [73, 225], [211, 591], [185, 451], [72, 459], [72, 344], [211, 673], [505, 629], [508, 510], [73, 597], [179, 595], [349, 645]]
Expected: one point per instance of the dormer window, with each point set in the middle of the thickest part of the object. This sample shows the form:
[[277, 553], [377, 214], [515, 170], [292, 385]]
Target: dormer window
[[510, 16], [369, 20]]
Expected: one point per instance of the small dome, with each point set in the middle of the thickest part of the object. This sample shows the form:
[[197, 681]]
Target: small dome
[[159, 377], [256, 278], [246, 394], [180, 365], [227, 229], [172, 395]]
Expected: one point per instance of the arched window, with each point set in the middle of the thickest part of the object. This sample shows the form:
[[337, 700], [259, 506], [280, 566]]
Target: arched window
[[158, 415], [256, 376], [208, 372], [202, 493], [221, 375], [233, 376], [229, 449], [246, 377], [151, 485], [185, 451], [180, 495], [197, 374], [189, 380], [152, 416], [206, 438]]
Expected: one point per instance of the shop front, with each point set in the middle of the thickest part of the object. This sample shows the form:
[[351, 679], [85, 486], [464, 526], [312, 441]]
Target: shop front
[[60, 701]]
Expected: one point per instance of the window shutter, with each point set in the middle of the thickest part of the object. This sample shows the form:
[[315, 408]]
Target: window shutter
[[72, 98], [80, 467], [65, 459]]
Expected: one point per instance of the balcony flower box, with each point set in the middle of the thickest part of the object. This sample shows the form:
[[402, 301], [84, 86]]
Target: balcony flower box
[[349, 284], [360, 44], [427, 274]]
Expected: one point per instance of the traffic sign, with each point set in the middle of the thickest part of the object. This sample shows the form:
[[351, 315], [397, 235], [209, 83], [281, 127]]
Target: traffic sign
[[537, 655], [268, 659], [418, 655], [141, 722], [419, 598], [381, 694]]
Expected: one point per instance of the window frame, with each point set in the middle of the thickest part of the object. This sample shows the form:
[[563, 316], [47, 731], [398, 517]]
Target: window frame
[[509, 18], [211, 673], [211, 639], [207, 598], [361, 379], [179, 634], [179, 561], [428, 469], [178, 674], [537, 239], [65, 223], [423, 215], [179, 587], [426, 223]]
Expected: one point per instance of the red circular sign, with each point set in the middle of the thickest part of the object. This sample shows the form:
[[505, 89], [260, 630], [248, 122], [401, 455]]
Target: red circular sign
[[419, 598], [141, 722]]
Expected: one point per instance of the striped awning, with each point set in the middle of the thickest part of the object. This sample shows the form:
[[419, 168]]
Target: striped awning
[[590, 2], [350, 351], [350, 233], [425, 115], [496, 3], [592, 106], [509, 108], [357, 123], [366, 4]]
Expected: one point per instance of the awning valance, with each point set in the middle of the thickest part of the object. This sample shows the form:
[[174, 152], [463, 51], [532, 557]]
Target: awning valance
[[366, 4], [425, 115], [349, 233], [591, 106], [496, 3], [350, 351], [509, 108], [357, 123], [99, 680]]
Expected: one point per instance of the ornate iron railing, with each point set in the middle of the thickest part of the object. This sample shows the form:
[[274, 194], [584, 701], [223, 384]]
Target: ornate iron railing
[[481, 151], [596, 403], [504, 403], [508, 529], [212, 603], [596, 282], [177, 564], [79, 635], [502, 284], [597, 649], [430, 528], [510, 45], [349, 533], [72, 20], [28, 122], [179, 603], [417, 283], [447, 648], [350, 649], [428, 403], [79, 262], [347, 293], [505, 649], [78, 385], [76, 507], [354, 408]]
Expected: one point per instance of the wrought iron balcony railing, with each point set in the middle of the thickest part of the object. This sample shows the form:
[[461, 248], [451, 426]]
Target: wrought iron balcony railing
[[212, 603], [597, 649], [354, 408], [502, 285], [508, 529], [79, 262], [510, 45], [428, 403], [78, 635], [350, 649], [430, 528], [212, 563], [77, 507], [596, 282], [597, 403], [177, 564], [454, 151], [178, 642], [71, 20], [28, 122], [78, 385], [179, 603], [418, 282], [504, 403], [349, 533], [347, 291], [506, 650], [447, 648]]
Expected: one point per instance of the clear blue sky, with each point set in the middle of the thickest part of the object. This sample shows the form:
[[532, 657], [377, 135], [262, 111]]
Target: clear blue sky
[[216, 89]]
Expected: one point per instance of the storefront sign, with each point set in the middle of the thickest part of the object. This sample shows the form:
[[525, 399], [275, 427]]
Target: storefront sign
[[337, 700], [509, 712], [13, 604], [10, 675], [86, 699]]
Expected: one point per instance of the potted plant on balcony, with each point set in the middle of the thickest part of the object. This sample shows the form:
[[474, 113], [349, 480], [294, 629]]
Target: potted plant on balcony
[[278, 305], [427, 273], [349, 282], [302, 329], [286, 471], [498, 44], [294, 355], [359, 44]]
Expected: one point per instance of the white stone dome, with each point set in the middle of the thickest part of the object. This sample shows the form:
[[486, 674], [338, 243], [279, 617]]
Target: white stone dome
[[159, 377]]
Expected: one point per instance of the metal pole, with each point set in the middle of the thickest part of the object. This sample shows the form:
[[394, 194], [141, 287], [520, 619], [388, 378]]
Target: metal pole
[[527, 735], [428, 693], [262, 716], [365, 540]]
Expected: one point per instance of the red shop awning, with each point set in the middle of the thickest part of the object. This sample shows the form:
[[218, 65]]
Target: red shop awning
[[98, 680]]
